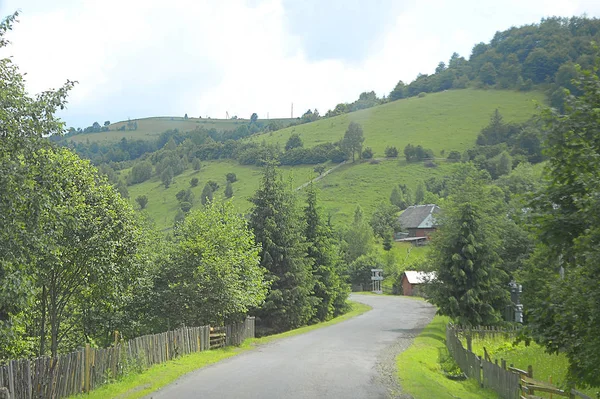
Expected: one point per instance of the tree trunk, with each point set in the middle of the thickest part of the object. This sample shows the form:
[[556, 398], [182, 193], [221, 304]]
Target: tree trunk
[[43, 322], [54, 326]]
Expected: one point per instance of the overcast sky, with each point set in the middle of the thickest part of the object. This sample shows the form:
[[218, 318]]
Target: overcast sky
[[139, 58]]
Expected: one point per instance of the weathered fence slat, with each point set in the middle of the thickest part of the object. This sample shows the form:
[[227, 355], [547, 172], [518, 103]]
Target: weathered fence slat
[[88, 368]]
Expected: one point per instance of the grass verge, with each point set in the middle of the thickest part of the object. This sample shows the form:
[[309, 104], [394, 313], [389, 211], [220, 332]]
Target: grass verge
[[420, 373], [546, 367], [139, 385]]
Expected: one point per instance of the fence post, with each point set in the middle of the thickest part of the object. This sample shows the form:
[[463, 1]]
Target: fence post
[[11, 376], [88, 360], [530, 375]]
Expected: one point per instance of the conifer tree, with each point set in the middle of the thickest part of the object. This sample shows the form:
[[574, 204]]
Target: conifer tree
[[278, 228], [329, 287], [207, 194], [228, 190], [469, 286]]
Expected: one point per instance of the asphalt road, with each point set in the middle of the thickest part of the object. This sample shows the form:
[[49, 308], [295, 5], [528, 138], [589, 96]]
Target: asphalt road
[[352, 359]]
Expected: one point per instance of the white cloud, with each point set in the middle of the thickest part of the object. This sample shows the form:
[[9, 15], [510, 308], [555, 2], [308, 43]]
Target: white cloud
[[141, 58]]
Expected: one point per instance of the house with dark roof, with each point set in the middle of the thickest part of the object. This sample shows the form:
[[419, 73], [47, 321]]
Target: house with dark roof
[[419, 220]]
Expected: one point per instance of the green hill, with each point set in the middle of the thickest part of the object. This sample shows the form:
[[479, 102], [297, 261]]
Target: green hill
[[150, 128], [446, 121], [441, 121]]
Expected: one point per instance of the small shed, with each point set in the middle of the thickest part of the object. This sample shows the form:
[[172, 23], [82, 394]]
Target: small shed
[[411, 280]]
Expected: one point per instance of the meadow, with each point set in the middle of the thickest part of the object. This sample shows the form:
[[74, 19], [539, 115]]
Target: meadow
[[442, 121]]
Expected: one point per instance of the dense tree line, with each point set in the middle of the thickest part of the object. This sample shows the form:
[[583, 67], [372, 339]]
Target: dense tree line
[[544, 55]]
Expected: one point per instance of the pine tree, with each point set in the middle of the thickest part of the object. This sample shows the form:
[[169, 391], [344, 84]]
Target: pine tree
[[469, 287], [228, 190], [419, 194], [207, 194], [329, 287], [396, 198], [278, 228]]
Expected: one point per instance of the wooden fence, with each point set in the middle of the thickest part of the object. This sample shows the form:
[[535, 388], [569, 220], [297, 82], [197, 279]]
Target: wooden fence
[[508, 382], [88, 368]]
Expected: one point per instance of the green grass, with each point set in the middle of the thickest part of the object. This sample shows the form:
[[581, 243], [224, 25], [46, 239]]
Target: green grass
[[139, 385], [441, 121], [151, 128], [447, 121], [368, 185], [420, 373], [163, 205], [545, 365]]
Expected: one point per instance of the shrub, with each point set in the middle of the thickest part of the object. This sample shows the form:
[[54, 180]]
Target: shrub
[[391, 152], [454, 156], [422, 94], [194, 182], [231, 177], [368, 153]]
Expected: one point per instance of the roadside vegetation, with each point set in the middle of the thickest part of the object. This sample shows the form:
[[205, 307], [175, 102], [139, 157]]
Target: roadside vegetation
[[421, 368]]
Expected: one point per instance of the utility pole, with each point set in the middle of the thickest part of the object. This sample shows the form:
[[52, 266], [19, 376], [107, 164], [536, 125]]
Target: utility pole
[[292, 111]]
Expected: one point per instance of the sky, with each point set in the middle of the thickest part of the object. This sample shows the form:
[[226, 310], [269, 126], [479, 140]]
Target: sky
[[141, 58]]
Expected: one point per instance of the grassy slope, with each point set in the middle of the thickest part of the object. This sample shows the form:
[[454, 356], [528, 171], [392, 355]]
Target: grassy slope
[[441, 121], [420, 373], [150, 128], [162, 204], [367, 185], [139, 385], [449, 120]]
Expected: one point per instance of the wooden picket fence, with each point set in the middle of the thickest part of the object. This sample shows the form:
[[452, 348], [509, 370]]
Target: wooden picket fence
[[509, 382], [89, 368]]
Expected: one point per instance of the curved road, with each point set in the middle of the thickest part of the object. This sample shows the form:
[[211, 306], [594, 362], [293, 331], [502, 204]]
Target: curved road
[[352, 359]]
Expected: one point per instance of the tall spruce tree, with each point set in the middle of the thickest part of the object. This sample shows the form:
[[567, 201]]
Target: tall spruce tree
[[469, 287], [278, 228], [329, 287]]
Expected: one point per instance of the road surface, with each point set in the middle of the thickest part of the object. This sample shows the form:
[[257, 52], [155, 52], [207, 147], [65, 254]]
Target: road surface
[[352, 359]]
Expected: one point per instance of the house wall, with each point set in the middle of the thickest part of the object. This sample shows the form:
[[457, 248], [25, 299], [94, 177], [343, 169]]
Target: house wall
[[423, 232], [406, 287]]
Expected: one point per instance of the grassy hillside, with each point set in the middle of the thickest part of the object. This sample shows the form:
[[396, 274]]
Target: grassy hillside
[[442, 121], [163, 206], [368, 184], [447, 120], [149, 128]]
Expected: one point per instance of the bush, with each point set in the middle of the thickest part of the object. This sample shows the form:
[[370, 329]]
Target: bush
[[194, 182], [231, 177], [367, 153], [142, 201], [430, 164], [422, 94], [391, 152], [185, 206], [454, 156], [196, 164], [214, 186]]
